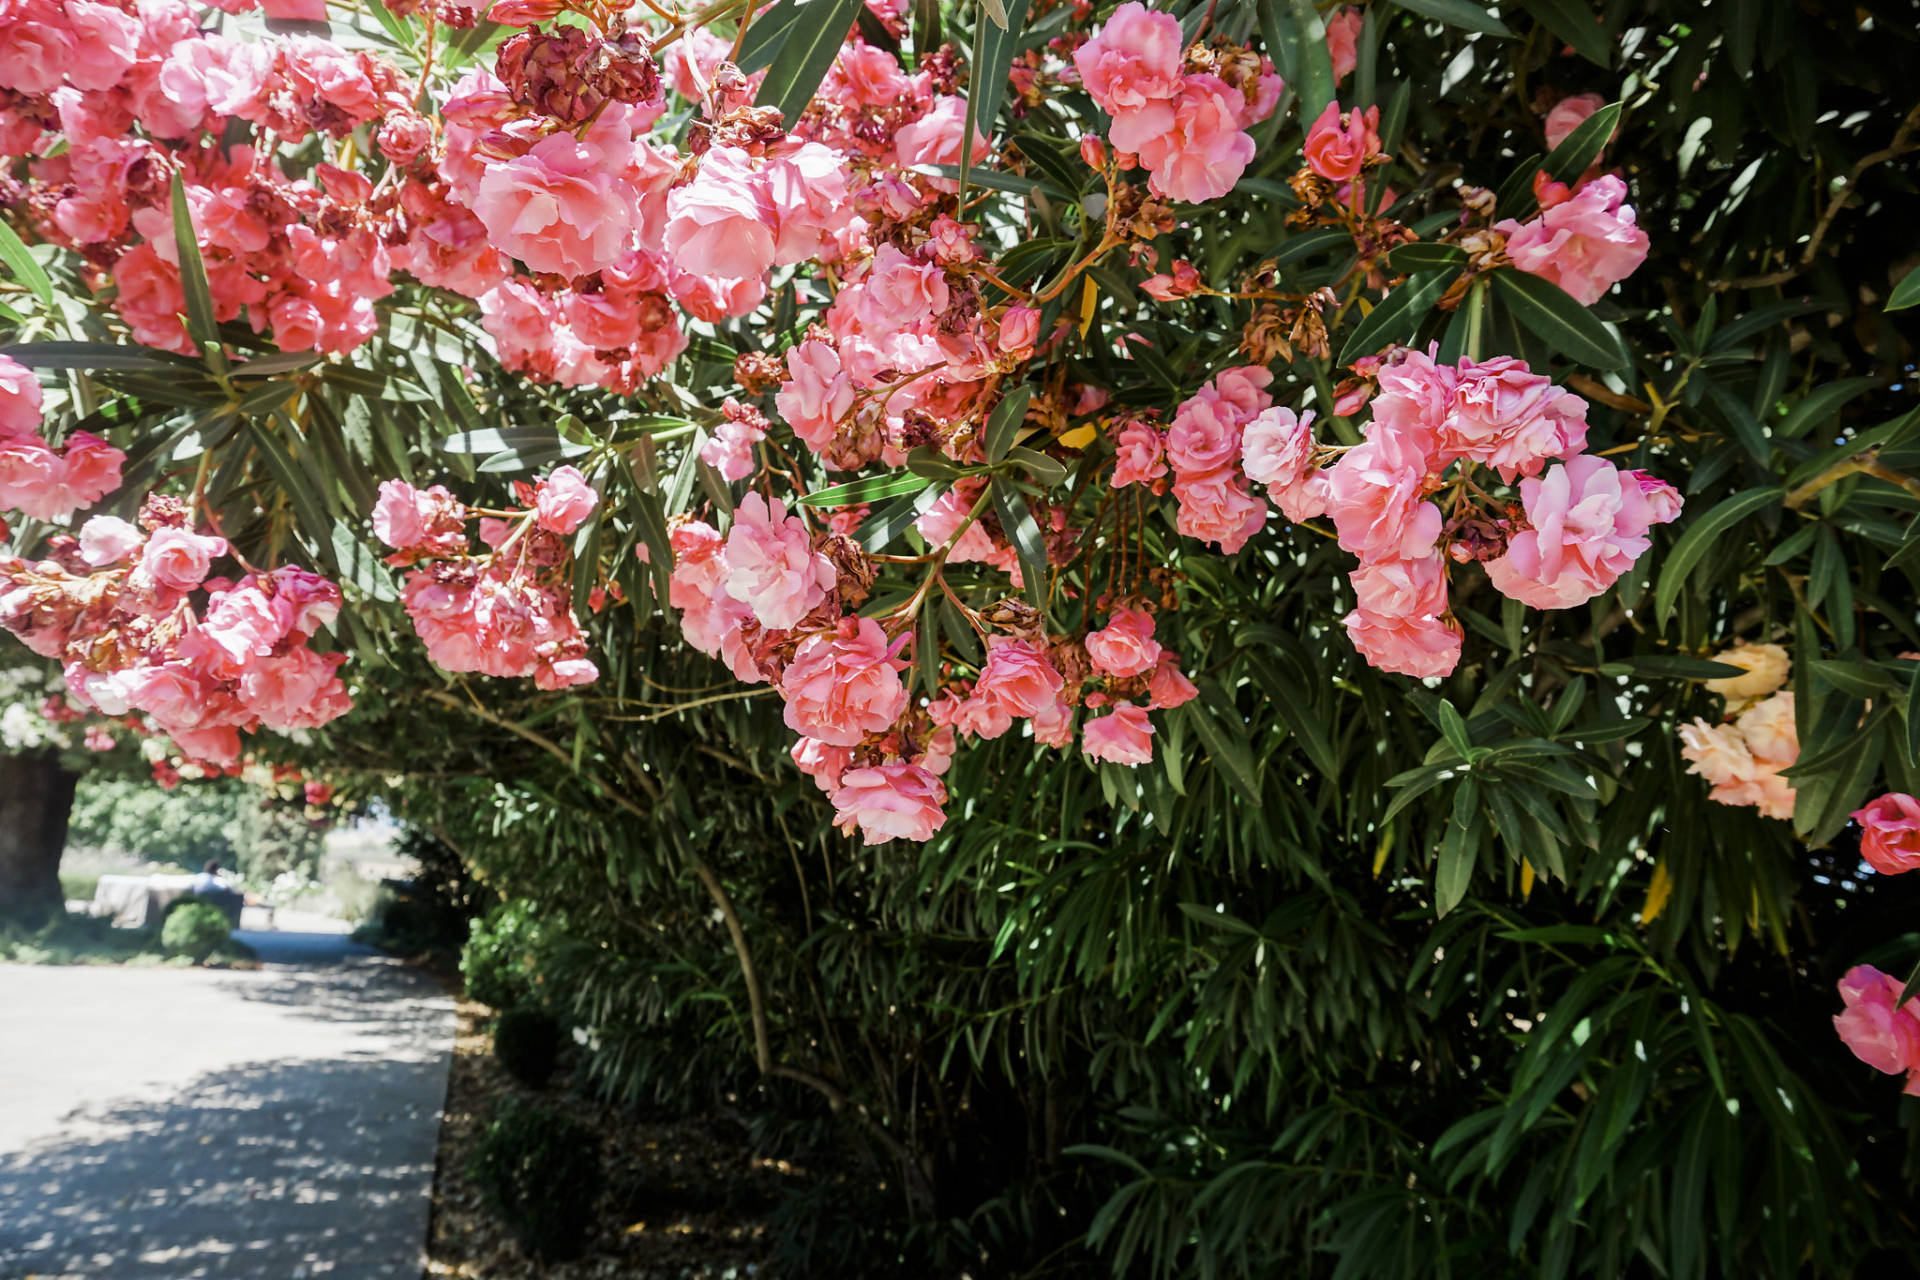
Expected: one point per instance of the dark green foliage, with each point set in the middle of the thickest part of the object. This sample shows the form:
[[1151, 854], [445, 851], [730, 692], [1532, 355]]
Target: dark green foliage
[[527, 1042], [541, 1173], [501, 958], [195, 930]]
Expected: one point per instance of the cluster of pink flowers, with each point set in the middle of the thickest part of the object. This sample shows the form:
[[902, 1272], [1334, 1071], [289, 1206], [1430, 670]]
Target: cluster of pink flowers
[[1744, 758], [1890, 833], [1580, 522], [509, 610], [1184, 116], [1882, 1031], [116, 606], [35, 478]]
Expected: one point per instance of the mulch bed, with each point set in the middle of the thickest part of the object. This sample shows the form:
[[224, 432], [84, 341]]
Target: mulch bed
[[686, 1199]]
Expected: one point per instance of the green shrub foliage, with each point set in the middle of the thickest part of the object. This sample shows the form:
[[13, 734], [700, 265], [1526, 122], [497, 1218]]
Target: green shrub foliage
[[195, 930], [527, 1043], [541, 1173], [502, 953]]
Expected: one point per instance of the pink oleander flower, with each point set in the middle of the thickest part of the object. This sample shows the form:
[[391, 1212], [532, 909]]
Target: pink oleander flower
[[1890, 834], [949, 511], [1276, 448], [1401, 588], [1408, 646], [563, 501], [1340, 143], [106, 540], [1132, 60], [808, 191], [1125, 646], [1569, 114], [1017, 681], [1218, 507], [1168, 686], [410, 519], [843, 686], [1376, 496], [30, 478], [723, 222], [1881, 1031], [1415, 403], [19, 400], [1204, 436], [180, 559], [1586, 244], [1770, 730], [1019, 329], [1343, 41], [901, 293], [1138, 455], [889, 802], [935, 138], [822, 763], [1588, 523], [1122, 736], [1199, 151], [1512, 419], [772, 565], [560, 208], [816, 395]]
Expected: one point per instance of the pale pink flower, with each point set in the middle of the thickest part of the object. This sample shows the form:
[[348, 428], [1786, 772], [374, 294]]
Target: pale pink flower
[[1276, 448], [1122, 736], [1376, 496], [1017, 681], [1204, 437], [822, 763], [106, 540], [843, 686], [1770, 730], [1588, 524], [408, 519], [560, 208], [1343, 41], [816, 395], [807, 188], [889, 802], [1168, 686], [1339, 144], [1201, 151], [949, 511], [30, 478], [1890, 835], [1569, 114], [1019, 329], [1411, 646], [1881, 1031], [1125, 646], [1132, 60], [1218, 507], [1512, 419], [563, 501], [935, 138], [179, 558], [19, 400], [1715, 752], [772, 565], [1586, 244], [723, 222], [1138, 454]]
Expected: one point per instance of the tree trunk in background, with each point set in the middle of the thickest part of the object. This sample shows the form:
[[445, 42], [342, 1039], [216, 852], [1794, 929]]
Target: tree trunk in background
[[36, 795]]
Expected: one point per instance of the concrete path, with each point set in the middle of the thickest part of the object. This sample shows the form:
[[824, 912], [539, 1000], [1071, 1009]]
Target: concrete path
[[185, 1123]]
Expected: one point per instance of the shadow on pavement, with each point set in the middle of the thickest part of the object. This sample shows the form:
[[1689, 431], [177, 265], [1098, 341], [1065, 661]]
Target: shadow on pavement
[[380, 995], [240, 1175]]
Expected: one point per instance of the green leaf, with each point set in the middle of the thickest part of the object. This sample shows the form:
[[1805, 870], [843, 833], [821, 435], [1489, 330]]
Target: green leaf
[[1453, 728], [1313, 64], [1424, 255], [1563, 324], [1906, 293], [877, 530], [1578, 23], [1820, 406], [1224, 731], [866, 489], [201, 325], [1698, 540], [23, 266], [1671, 666], [1399, 314], [995, 42], [817, 29], [360, 565], [1911, 740], [1046, 471], [1458, 13], [1016, 517], [101, 356], [1459, 849], [1579, 149], [1003, 424]]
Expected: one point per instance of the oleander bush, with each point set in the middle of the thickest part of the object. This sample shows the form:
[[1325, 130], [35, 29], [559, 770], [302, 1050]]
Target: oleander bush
[[1196, 639]]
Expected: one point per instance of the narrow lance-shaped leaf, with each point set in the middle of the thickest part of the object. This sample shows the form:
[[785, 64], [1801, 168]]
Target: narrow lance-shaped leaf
[[1563, 324], [817, 30]]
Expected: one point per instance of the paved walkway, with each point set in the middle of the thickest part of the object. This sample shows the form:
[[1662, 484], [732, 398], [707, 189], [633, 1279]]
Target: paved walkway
[[185, 1123]]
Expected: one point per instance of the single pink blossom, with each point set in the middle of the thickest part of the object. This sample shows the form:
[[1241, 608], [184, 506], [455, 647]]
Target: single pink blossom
[[1588, 523], [1882, 1031], [722, 223], [1132, 60], [890, 802], [1340, 143], [563, 500], [843, 686], [1586, 245], [772, 566], [1890, 834], [1122, 736], [1125, 647], [560, 208]]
